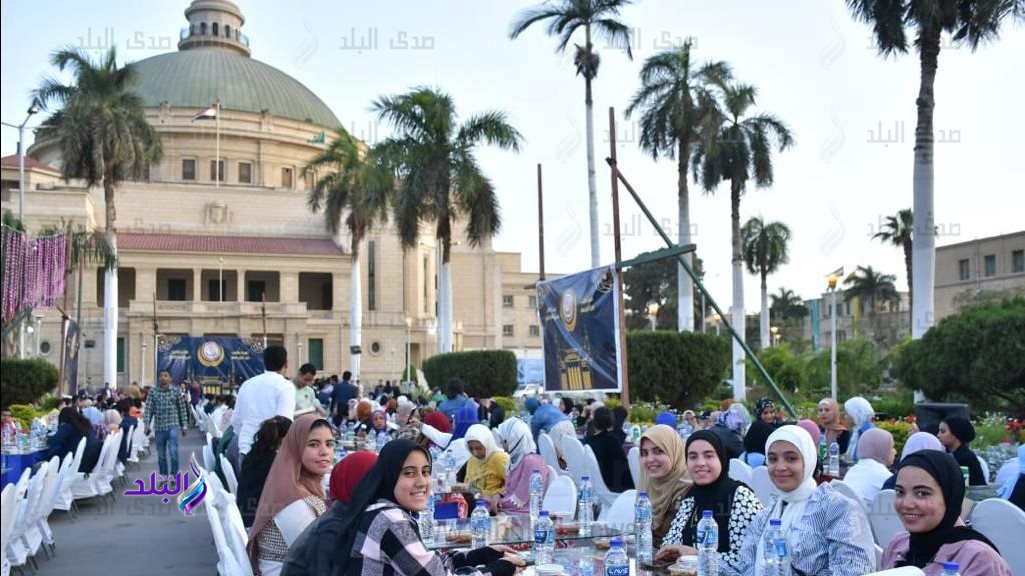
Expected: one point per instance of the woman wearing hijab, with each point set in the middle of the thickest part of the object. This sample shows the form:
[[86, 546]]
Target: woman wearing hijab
[[732, 503], [519, 445], [71, 428], [256, 466], [861, 414], [312, 553], [664, 476], [379, 422], [292, 497], [956, 434], [383, 539], [765, 410], [465, 417], [828, 532], [831, 424], [754, 443], [485, 470], [729, 426], [915, 443], [930, 491], [667, 418], [876, 453], [608, 451], [619, 416]]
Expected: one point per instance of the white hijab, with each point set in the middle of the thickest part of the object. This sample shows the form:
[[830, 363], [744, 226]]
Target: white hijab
[[797, 498], [518, 439], [860, 412], [482, 434]]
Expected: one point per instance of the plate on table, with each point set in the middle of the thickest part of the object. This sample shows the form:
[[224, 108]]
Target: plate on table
[[458, 537]]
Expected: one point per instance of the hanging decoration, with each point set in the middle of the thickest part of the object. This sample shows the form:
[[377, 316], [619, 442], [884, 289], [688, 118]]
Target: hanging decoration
[[33, 271]]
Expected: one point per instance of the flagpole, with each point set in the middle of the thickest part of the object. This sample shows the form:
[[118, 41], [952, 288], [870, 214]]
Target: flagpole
[[217, 161]]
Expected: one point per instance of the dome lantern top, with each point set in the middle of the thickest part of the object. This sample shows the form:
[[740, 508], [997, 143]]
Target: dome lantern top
[[214, 25]]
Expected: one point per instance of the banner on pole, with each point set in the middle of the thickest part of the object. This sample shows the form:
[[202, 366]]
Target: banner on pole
[[213, 360], [580, 323], [71, 343]]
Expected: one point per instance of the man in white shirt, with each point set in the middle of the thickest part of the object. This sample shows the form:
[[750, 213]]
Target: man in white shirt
[[262, 397]]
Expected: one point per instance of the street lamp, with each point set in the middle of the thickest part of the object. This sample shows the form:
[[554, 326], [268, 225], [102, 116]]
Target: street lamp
[[833, 278], [142, 379], [775, 335], [409, 357], [653, 314], [717, 320]]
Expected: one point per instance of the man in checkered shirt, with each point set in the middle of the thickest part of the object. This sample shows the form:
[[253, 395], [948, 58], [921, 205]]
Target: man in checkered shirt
[[166, 414]]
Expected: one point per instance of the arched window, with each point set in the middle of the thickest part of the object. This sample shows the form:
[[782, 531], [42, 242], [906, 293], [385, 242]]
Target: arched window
[[213, 29], [227, 31], [192, 29], [202, 28]]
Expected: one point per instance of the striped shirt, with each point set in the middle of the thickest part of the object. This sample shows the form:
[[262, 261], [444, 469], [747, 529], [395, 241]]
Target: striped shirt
[[165, 409]]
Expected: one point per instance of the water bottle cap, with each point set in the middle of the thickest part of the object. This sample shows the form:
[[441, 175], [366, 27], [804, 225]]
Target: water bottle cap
[[643, 493], [543, 513], [585, 478], [706, 514], [481, 503], [537, 471], [953, 566], [775, 522], [616, 543]]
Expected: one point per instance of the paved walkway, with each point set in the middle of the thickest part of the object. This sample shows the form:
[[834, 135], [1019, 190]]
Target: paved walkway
[[135, 534]]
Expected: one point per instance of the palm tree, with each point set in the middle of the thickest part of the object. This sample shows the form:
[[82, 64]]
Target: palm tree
[[597, 18], [738, 148], [969, 21], [787, 304], [898, 231], [765, 250], [358, 187], [670, 99], [870, 287], [104, 139], [440, 180]]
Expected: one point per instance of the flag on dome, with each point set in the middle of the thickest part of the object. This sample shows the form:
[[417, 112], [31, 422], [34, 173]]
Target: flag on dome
[[208, 114]]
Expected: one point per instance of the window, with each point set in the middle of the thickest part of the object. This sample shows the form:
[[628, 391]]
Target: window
[[120, 354], [1018, 261], [245, 173], [202, 28], [532, 301], [213, 290], [227, 31], [316, 348], [535, 330], [213, 29], [188, 169], [507, 330], [286, 178], [255, 289], [176, 289], [990, 265], [217, 170], [963, 271], [507, 300], [371, 275]]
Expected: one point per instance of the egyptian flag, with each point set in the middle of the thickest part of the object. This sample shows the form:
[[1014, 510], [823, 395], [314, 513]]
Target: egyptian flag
[[208, 114]]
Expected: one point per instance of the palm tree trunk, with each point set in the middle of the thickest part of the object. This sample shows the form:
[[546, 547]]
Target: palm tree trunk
[[764, 317], [355, 312], [739, 372], [924, 248], [907, 263], [110, 295], [684, 283], [444, 300], [592, 184]]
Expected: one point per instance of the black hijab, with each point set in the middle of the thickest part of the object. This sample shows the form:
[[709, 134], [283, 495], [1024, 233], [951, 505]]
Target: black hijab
[[961, 428], [378, 484], [944, 469], [717, 496], [757, 434]]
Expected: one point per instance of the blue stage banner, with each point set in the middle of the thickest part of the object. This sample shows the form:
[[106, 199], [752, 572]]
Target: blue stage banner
[[71, 349], [223, 360], [580, 322], [529, 371]]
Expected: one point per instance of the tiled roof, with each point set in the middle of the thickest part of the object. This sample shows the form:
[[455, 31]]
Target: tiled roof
[[227, 244], [30, 162]]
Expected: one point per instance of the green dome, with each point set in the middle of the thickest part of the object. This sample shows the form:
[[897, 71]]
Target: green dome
[[197, 78]]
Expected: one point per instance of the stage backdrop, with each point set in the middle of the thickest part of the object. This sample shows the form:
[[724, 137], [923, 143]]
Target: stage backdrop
[[223, 360], [580, 319]]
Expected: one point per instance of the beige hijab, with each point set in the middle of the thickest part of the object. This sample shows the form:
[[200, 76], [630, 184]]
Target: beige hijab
[[666, 492]]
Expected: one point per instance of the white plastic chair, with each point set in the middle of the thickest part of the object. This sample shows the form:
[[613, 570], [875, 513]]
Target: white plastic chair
[[38, 526], [762, 486], [1008, 471], [603, 496], [903, 571], [576, 459], [226, 564], [24, 541], [633, 458], [546, 448], [63, 469], [8, 500], [208, 457], [229, 475], [740, 470], [845, 489], [15, 549], [1003, 523], [66, 497], [884, 519], [621, 513], [561, 497]]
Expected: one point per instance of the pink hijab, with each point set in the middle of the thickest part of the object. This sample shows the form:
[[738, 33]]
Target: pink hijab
[[812, 428]]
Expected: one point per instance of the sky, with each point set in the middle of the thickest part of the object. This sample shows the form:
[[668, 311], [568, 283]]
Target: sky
[[852, 113]]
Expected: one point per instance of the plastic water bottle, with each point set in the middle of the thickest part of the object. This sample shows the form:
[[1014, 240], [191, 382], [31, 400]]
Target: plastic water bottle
[[585, 565], [427, 520], [350, 432], [382, 439], [642, 528], [834, 460], [480, 526], [371, 440], [585, 512], [775, 552], [616, 562], [339, 453], [823, 447], [450, 468], [708, 545], [544, 539], [950, 569], [537, 488], [635, 433]]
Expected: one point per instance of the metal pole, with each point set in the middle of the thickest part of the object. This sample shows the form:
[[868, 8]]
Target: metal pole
[[220, 279], [540, 224], [619, 257], [21, 218], [409, 350], [832, 351], [142, 377]]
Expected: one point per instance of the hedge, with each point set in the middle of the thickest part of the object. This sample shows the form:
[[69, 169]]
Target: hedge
[[677, 368], [25, 381], [486, 373]]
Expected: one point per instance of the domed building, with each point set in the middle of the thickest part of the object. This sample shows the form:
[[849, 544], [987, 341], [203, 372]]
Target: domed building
[[218, 239]]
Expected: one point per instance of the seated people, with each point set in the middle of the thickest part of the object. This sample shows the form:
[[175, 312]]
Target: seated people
[[548, 418], [71, 428], [930, 491], [128, 422], [862, 414], [293, 496], [831, 424], [523, 460], [485, 469], [828, 532], [732, 503], [765, 411], [754, 443], [956, 434], [915, 443], [664, 476], [608, 451], [257, 464], [729, 426], [875, 456]]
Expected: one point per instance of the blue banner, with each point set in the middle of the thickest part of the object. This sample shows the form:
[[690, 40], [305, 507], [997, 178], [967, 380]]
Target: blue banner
[[213, 360], [580, 322]]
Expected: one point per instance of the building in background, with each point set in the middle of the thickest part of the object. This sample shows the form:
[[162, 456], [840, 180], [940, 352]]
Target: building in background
[[979, 271]]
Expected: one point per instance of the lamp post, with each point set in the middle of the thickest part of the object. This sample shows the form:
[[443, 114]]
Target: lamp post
[[409, 356], [775, 335], [21, 203], [142, 378], [220, 279], [832, 336], [653, 315]]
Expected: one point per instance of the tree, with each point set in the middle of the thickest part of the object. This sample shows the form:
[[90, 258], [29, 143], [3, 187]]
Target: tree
[[739, 148], [971, 22], [439, 178], [104, 139], [870, 287], [671, 99], [680, 368], [655, 283], [786, 304], [898, 231], [597, 18], [859, 369], [358, 186], [765, 250]]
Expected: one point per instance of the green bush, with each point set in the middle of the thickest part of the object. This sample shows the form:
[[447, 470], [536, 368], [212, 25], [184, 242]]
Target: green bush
[[645, 412], [486, 373], [25, 414], [25, 381], [507, 404], [895, 405], [900, 431], [678, 368]]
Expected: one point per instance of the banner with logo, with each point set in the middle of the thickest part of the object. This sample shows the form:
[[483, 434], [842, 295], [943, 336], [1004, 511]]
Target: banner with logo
[[580, 331], [213, 360], [71, 349]]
